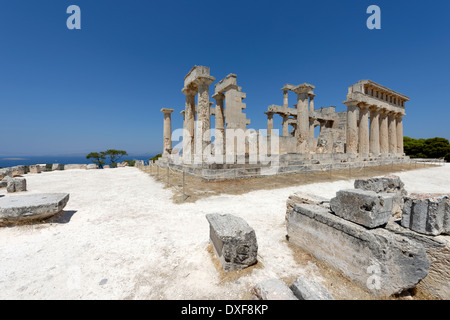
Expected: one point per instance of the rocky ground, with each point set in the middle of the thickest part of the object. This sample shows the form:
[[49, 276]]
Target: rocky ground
[[122, 236]]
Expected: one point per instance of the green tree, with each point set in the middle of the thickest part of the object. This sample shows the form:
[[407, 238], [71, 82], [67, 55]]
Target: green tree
[[114, 155], [97, 158], [426, 148], [156, 157]]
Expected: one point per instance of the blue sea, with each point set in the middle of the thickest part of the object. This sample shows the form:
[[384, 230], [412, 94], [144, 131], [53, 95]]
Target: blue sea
[[11, 161]]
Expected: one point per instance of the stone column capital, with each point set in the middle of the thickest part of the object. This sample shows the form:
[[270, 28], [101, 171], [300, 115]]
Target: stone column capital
[[206, 80], [189, 91], [351, 103], [303, 89], [167, 110], [269, 113], [363, 106], [218, 96], [374, 108]]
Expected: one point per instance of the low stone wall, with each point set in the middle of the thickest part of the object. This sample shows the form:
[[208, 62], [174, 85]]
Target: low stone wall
[[287, 164]]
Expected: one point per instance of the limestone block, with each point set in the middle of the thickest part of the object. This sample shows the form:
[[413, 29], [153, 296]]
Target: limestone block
[[230, 81], [436, 283], [427, 213], [33, 206], [395, 262], [57, 166], [305, 198], [305, 289], [75, 166], [390, 184], [91, 166], [15, 184], [106, 167], [195, 73], [234, 241], [18, 170], [363, 207], [272, 289], [5, 172], [42, 166], [35, 169]]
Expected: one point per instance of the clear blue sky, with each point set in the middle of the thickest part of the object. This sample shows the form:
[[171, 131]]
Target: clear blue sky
[[76, 91]]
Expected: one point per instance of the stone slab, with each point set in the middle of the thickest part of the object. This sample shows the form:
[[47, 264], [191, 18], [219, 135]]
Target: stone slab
[[386, 184], [15, 184], [437, 282], [5, 172], [363, 255], [364, 207], [32, 206], [35, 168], [306, 289], [427, 213], [234, 241], [18, 170], [57, 166], [75, 166], [272, 289]]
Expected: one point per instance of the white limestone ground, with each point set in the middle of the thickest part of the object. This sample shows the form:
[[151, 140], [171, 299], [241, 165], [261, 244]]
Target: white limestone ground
[[125, 239]]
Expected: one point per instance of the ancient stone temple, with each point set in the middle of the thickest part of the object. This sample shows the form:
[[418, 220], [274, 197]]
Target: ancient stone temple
[[368, 133]]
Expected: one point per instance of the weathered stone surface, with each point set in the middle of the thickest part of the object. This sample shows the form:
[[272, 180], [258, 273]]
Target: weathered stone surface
[[396, 262], [367, 208], [305, 289], [75, 166], [15, 184], [33, 206], [106, 167], [35, 168], [272, 289], [91, 166], [42, 166], [305, 198], [234, 241], [427, 213], [437, 282], [5, 172], [390, 184], [57, 166], [387, 184], [18, 170]]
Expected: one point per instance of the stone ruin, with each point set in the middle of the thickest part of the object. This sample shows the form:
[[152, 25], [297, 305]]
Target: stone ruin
[[20, 208], [368, 133], [361, 233]]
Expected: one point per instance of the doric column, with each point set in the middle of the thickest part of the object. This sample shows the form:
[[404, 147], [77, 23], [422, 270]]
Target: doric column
[[311, 127], [384, 132], [302, 132], [269, 122], [285, 125], [392, 124], [374, 141], [167, 138], [311, 101], [285, 99], [363, 133], [399, 122], [203, 139], [352, 130], [219, 144], [189, 124]]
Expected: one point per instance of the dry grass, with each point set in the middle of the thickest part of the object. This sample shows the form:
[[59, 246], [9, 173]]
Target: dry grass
[[196, 188]]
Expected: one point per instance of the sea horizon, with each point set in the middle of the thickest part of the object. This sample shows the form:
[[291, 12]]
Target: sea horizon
[[11, 161]]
